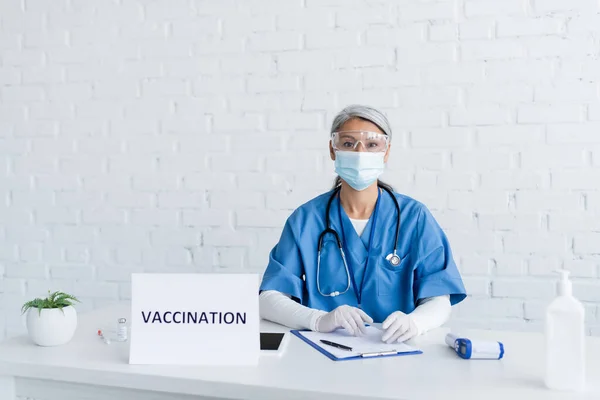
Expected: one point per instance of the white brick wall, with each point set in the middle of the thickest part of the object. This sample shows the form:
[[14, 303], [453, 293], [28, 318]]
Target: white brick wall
[[161, 136]]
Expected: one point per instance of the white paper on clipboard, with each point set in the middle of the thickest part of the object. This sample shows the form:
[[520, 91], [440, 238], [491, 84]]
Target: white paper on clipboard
[[367, 344]]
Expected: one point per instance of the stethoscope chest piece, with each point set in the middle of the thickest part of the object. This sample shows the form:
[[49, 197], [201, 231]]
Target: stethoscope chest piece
[[393, 259]]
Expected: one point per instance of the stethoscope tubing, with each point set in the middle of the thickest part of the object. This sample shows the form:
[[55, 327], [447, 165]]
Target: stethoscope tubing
[[328, 229]]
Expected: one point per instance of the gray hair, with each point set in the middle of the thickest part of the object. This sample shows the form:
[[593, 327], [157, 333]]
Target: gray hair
[[364, 112]]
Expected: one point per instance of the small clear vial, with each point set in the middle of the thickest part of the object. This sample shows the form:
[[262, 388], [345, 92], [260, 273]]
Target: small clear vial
[[122, 330]]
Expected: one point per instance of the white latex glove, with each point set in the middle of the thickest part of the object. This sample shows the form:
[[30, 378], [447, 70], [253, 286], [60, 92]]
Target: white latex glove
[[350, 318], [398, 327]]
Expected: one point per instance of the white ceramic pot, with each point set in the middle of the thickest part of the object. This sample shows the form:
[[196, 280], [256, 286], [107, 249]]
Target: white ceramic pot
[[51, 327]]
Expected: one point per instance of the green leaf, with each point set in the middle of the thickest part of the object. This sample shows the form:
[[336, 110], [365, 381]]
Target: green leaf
[[56, 299]]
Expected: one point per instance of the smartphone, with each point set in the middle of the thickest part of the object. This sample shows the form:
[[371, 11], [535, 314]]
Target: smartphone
[[271, 341]]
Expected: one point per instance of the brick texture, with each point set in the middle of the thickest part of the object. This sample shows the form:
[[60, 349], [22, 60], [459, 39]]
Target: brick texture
[[158, 136]]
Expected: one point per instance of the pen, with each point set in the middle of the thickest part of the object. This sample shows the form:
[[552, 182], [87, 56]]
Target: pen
[[339, 346], [378, 354]]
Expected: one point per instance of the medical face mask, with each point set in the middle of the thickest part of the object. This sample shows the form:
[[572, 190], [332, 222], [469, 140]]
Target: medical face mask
[[358, 168]]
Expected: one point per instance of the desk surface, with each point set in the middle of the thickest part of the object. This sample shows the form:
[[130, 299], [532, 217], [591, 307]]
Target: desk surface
[[302, 372]]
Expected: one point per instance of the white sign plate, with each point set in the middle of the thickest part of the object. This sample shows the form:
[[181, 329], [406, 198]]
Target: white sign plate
[[194, 319]]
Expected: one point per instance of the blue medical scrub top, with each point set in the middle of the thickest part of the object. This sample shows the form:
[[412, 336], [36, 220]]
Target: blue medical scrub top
[[426, 269]]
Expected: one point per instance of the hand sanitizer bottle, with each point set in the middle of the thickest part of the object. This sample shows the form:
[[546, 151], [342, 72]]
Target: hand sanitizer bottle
[[565, 339]]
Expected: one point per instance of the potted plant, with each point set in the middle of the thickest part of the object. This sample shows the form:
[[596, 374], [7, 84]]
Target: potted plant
[[51, 321]]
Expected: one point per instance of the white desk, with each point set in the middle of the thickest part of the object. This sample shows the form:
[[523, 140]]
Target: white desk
[[86, 368]]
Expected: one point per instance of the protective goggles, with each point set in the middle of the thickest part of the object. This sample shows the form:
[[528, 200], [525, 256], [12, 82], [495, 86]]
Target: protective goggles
[[374, 142]]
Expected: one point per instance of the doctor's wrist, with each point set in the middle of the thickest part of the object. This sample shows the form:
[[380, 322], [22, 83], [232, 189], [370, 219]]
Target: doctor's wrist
[[431, 314], [315, 318], [418, 323]]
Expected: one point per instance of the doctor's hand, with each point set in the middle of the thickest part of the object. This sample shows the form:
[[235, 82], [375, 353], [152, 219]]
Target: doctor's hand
[[350, 318], [398, 327]]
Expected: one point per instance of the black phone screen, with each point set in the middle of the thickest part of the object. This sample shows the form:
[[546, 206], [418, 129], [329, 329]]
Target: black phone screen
[[270, 341]]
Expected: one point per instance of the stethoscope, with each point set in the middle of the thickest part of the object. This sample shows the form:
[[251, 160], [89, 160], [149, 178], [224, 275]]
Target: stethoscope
[[393, 258]]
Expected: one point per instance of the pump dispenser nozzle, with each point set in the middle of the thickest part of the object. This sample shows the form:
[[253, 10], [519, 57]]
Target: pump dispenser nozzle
[[564, 285]]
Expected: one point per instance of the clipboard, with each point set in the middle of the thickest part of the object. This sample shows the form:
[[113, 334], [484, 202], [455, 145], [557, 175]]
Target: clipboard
[[368, 346]]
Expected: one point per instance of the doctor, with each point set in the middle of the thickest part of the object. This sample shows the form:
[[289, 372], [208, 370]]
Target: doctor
[[361, 253]]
